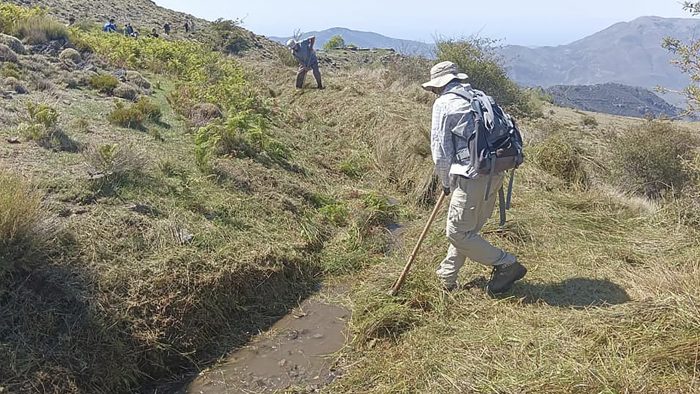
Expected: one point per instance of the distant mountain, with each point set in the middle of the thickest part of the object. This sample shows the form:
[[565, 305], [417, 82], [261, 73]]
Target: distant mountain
[[629, 53], [368, 40], [613, 98]]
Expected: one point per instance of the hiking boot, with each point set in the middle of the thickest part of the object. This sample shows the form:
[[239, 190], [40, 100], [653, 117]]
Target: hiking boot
[[503, 278]]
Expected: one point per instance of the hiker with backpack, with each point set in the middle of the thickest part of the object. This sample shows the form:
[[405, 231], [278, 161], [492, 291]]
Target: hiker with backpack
[[305, 54], [473, 143]]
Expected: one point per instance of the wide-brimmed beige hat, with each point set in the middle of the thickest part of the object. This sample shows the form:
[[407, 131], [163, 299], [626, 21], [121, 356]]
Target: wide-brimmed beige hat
[[443, 73], [291, 43]]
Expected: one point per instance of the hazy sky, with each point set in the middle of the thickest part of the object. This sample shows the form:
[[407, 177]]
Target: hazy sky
[[535, 22]]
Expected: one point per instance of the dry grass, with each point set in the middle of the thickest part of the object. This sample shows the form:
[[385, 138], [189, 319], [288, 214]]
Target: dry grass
[[171, 268]]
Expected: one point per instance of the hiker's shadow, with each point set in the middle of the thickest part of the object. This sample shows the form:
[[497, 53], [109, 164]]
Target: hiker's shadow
[[575, 293]]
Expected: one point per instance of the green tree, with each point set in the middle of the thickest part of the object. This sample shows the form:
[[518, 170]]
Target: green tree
[[477, 58], [335, 42], [688, 60]]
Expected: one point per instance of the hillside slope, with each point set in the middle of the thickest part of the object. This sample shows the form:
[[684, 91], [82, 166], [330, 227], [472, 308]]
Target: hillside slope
[[613, 99], [166, 203], [628, 53]]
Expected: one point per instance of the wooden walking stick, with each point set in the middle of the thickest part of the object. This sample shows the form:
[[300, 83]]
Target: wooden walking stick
[[399, 282]]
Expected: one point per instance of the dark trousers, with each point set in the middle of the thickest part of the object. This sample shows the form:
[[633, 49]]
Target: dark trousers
[[301, 75]]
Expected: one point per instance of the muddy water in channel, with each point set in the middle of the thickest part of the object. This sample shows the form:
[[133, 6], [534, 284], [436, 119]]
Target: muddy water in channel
[[297, 352]]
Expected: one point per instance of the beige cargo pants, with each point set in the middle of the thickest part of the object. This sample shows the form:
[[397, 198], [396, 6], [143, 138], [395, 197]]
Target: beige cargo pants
[[468, 213]]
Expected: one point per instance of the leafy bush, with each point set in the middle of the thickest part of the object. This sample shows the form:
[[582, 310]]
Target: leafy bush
[[336, 214], [334, 42], [42, 114], [242, 135], [10, 70], [124, 116], [380, 210], [149, 109], [476, 57], [70, 54], [20, 219], [652, 158], [104, 83], [557, 155], [11, 16], [40, 29], [230, 38]]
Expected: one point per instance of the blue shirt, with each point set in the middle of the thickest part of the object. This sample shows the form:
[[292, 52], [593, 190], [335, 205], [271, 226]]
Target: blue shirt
[[109, 27], [305, 54]]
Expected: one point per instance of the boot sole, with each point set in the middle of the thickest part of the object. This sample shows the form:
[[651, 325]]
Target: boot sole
[[520, 275]]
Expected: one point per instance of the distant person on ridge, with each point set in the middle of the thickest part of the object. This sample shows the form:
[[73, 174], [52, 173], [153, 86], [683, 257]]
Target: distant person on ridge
[[305, 54], [154, 33], [128, 30], [473, 193], [187, 26], [166, 28], [110, 27]]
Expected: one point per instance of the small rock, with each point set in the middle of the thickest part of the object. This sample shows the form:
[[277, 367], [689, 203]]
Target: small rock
[[70, 54], [13, 140], [282, 362], [183, 236], [318, 336], [143, 209], [292, 335]]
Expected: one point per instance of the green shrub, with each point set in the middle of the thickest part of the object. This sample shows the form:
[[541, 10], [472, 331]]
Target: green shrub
[[11, 16], [104, 83], [20, 219], [334, 42], [477, 58], [10, 70], [336, 214], [125, 116], [230, 38], [43, 114], [652, 159], [242, 135], [40, 29], [70, 54], [149, 109], [380, 210], [42, 127], [559, 156]]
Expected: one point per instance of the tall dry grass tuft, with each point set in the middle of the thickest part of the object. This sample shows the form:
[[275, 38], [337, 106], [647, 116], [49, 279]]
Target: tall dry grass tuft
[[21, 219]]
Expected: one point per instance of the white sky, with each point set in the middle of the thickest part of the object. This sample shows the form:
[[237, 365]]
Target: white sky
[[534, 22]]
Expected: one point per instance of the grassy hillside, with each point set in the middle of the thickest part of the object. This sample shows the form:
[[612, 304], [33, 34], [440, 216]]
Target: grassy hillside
[[161, 203]]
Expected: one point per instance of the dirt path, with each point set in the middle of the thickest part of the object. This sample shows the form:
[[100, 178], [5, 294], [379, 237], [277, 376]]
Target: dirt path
[[297, 352]]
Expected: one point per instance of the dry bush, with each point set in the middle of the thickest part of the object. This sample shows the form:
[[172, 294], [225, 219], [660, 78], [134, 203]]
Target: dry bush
[[407, 70], [560, 156], [104, 83], [20, 220], [7, 54], [16, 85], [284, 55], [652, 158], [149, 109], [202, 114], [39, 29], [113, 161]]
